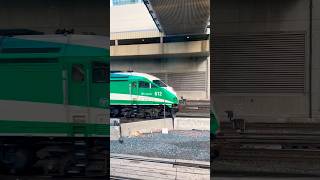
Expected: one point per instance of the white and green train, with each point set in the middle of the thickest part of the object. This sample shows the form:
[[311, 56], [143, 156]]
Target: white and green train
[[54, 92], [140, 95]]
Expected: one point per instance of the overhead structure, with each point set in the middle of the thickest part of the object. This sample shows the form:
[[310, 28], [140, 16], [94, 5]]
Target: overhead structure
[[174, 17]]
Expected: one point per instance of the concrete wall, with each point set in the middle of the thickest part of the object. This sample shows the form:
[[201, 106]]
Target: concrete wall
[[152, 126], [135, 34], [49, 15], [192, 47], [265, 16], [316, 59]]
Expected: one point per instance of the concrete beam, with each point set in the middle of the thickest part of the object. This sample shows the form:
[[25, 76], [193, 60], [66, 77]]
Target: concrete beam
[[192, 123], [168, 49], [131, 129]]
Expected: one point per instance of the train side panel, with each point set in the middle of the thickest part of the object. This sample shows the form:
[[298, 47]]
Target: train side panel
[[40, 95], [138, 91]]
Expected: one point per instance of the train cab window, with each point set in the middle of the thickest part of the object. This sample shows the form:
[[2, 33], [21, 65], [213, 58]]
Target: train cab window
[[143, 84], [78, 73], [159, 83], [99, 73]]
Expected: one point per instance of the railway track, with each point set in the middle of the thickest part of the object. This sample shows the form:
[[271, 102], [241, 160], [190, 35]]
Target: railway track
[[281, 161], [272, 140], [259, 150], [195, 109], [293, 147], [274, 128]]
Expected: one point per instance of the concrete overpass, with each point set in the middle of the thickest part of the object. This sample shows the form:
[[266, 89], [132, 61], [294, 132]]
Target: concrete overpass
[[176, 49]]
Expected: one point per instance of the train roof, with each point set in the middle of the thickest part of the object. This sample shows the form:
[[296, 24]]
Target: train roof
[[54, 45], [118, 74], [96, 41]]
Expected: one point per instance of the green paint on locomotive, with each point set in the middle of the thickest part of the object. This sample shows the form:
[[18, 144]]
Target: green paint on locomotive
[[42, 128], [54, 85], [140, 89], [214, 123]]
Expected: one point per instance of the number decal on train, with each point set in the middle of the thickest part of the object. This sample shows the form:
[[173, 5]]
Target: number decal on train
[[158, 93]]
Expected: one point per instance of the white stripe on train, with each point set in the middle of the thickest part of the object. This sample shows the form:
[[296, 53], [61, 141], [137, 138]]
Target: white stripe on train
[[128, 97]]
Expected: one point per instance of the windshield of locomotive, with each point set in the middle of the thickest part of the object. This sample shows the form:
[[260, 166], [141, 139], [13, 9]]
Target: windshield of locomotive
[[159, 83]]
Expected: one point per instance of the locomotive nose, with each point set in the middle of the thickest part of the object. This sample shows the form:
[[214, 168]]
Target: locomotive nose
[[169, 88]]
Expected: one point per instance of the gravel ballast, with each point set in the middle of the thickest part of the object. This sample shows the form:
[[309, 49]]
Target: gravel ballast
[[187, 145]]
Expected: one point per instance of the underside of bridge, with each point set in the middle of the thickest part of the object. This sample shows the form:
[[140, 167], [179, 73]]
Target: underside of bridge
[[180, 16]]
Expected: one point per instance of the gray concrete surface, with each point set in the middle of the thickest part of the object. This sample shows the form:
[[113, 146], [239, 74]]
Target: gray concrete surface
[[153, 126], [144, 168]]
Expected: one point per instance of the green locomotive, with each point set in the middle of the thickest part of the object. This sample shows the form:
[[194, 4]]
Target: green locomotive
[[141, 95], [214, 124], [214, 129], [54, 90]]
